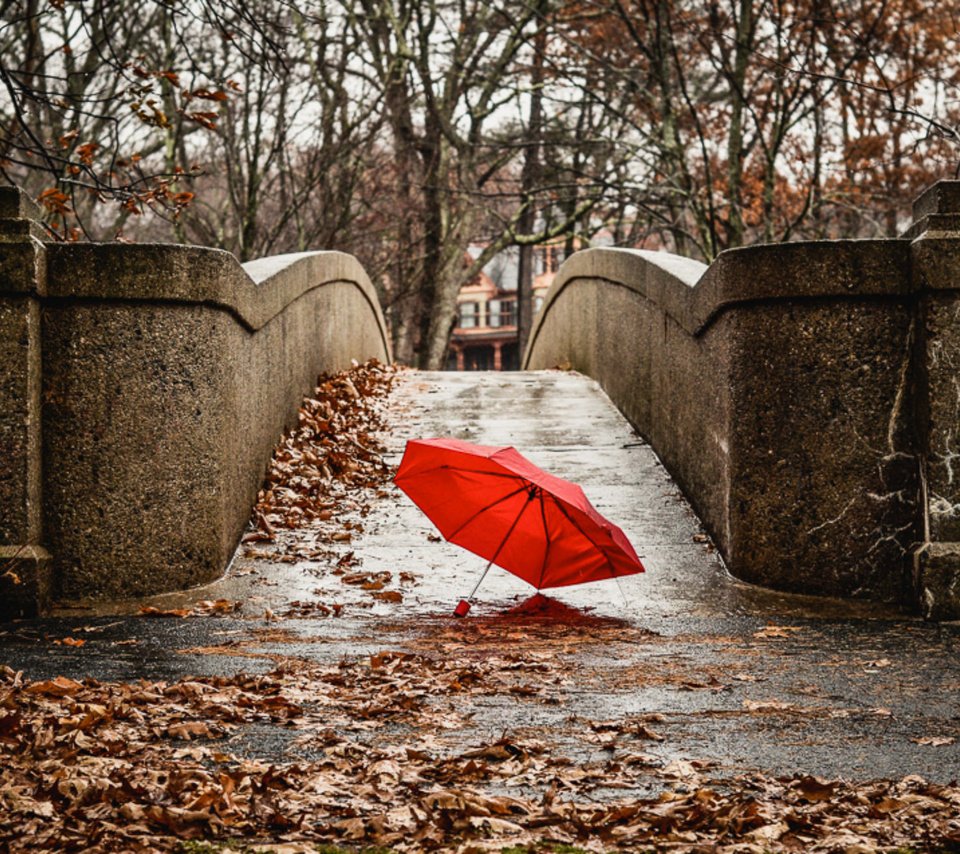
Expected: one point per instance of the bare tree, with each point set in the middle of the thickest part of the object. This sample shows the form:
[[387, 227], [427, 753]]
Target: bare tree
[[750, 119], [405, 131], [452, 75], [283, 169], [98, 98]]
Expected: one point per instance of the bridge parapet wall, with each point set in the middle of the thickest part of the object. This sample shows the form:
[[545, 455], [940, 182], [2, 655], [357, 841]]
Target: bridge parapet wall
[[805, 396], [142, 390]]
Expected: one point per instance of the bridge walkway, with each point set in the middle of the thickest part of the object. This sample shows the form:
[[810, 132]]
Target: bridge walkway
[[731, 677], [564, 423]]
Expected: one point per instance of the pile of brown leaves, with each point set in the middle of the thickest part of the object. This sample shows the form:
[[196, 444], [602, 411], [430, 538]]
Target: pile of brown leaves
[[379, 759], [332, 452]]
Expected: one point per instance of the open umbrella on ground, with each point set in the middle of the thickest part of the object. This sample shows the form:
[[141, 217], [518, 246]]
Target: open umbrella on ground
[[499, 505]]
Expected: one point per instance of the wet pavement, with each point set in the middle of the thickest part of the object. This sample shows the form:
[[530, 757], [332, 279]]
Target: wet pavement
[[735, 677]]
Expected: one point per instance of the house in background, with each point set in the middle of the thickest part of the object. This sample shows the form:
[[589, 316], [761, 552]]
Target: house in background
[[485, 337]]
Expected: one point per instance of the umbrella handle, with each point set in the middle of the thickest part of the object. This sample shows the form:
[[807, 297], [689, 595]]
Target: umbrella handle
[[476, 586]]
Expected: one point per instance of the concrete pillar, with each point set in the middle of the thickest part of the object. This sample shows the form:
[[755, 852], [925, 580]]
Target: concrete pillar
[[935, 250], [24, 565], [497, 356], [461, 363]]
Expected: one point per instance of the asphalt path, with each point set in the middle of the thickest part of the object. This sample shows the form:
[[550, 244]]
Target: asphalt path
[[737, 678]]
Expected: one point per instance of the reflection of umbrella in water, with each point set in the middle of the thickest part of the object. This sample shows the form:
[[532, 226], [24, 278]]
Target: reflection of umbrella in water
[[499, 505], [539, 609]]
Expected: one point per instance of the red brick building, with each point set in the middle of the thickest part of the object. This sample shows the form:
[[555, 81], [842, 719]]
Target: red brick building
[[485, 337]]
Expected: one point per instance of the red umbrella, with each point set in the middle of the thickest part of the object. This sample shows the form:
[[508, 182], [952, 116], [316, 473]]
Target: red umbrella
[[499, 505]]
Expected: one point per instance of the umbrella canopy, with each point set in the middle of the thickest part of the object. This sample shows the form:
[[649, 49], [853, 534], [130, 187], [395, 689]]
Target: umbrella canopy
[[499, 505]]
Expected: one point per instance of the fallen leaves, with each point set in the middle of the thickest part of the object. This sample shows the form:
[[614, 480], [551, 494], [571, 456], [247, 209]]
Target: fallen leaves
[[152, 611], [368, 580], [768, 706], [323, 476], [203, 608], [58, 687], [145, 765], [773, 631], [934, 740], [331, 450], [312, 608], [813, 790], [413, 749]]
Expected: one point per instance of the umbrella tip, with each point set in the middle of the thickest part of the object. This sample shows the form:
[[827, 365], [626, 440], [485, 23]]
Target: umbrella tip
[[463, 606]]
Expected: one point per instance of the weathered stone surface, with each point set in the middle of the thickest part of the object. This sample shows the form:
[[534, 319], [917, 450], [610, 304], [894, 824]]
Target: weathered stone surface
[[16, 204], [254, 293], [778, 386], [824, 485], [19, 421], [942, 197], [163, 375], [163, 418], [937, 570], [25, 580], [139, 417], [942, 416], [22, 281]]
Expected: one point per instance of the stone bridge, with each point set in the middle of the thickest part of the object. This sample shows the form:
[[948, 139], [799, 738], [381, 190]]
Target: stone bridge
[[805, 397]]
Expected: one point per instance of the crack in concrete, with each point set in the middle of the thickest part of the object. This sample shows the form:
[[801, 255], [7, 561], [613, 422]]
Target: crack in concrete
[[835, 519]]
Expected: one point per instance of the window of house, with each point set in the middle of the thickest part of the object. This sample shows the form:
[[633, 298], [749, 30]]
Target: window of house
[[503, 312], [549, 260], [469, 315]]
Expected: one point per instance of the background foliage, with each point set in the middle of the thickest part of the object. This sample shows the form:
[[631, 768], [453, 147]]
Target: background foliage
[[403, 131]]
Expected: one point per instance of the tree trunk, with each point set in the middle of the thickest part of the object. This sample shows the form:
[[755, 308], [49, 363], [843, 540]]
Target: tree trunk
[[529, 181], [737, 82]]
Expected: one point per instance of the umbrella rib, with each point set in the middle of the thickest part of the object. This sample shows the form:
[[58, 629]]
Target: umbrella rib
[[503, 542], [576, 524], [546, 536], [485, 509]]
